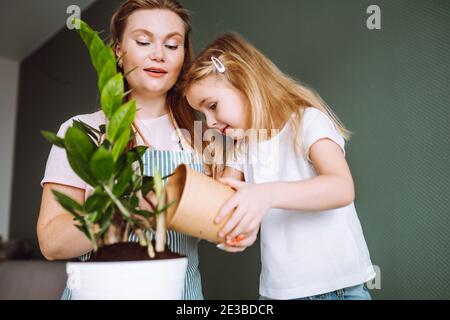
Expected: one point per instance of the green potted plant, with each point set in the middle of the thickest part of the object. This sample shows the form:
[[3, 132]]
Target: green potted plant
[[105, 159]]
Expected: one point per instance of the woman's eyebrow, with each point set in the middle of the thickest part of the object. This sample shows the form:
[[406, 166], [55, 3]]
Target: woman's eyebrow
[[169, 35]]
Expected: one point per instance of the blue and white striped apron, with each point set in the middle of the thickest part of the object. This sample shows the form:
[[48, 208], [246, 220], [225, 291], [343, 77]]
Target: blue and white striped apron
[[167, 162]]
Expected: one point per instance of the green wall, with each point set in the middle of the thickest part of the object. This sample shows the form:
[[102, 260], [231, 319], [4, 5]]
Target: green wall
[[391, 87]]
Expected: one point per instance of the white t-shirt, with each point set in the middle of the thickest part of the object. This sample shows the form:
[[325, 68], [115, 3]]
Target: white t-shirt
[[304, 253], [159, 132]]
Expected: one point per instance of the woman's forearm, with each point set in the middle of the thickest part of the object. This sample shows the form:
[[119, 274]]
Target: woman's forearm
[[317, 194], [60, 239]]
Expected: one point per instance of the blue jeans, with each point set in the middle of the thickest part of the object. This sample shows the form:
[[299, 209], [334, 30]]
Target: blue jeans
[[359, 292]]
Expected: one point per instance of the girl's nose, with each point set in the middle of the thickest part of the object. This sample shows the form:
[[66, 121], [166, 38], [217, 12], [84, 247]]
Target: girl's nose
[[211, 122]]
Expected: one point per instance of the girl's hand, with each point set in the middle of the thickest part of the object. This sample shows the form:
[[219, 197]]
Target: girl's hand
[[240, 243], [250, 203]]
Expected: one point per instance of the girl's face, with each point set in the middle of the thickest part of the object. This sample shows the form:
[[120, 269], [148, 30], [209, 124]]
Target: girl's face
[[225, 107], [153, 41]]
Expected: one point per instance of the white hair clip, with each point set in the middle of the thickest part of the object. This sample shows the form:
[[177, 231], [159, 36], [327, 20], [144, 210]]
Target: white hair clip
[[218, 64]]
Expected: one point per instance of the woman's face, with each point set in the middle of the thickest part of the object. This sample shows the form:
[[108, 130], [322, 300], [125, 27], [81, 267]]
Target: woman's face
[[226, 108], [153, 43]]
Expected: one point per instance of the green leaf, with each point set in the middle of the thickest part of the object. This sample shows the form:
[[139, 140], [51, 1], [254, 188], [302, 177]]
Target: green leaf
[[144, 213], [121, 120], [147, 185], [97, 202], [86, 33], [53, 138], [82, 169], [134, 201], [132, 157], [140, 150], [94, 216], [102, 164], [136, 182], [108, 71], [119, 165], [123, 181], [112, 94], [106, 219], [78, 218], [79, 144], [100, 53], [93, 133], [86, 126], [108, 56], [84, 229], [106, 144], [121, 144], [68, 203], [91, 235], [163, 209], [136, 154]]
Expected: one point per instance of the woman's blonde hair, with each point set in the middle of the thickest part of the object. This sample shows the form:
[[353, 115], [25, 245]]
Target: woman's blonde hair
[[273, 96], [183, 116]]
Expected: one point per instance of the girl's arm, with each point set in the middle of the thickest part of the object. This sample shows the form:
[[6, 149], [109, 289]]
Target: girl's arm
[[332, 188], [58, 237]]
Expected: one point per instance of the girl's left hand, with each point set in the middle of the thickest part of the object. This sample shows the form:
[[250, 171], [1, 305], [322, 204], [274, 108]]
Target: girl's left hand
[[250, 204], [242, 242]]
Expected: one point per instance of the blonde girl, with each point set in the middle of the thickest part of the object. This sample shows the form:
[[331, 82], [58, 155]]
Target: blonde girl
[[293, 182]]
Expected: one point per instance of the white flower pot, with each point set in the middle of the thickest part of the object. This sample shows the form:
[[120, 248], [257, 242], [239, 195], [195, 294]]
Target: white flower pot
[[138, 280]]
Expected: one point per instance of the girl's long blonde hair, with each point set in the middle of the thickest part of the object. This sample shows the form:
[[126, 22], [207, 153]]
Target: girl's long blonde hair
[[273, 96]]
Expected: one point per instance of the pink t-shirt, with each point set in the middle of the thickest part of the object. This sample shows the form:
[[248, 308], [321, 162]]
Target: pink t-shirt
[[159, 132]]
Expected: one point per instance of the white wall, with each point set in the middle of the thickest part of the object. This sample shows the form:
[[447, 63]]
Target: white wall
[[9, 83]]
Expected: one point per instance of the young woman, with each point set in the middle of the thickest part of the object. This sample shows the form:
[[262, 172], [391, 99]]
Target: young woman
[[154, 38]]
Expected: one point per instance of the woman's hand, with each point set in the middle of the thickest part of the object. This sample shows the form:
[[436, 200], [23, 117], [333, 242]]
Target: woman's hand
[[250, 204], [241, 243]]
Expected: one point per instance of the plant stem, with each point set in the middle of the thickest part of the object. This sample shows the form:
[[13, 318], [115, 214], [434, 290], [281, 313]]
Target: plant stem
[[142, 238], [150, 250], [90, 230], [126, 232], [160, 236], [117, 202]]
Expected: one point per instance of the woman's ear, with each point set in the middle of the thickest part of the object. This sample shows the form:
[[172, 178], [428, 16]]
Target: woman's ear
[[119, 55], [118, 51]]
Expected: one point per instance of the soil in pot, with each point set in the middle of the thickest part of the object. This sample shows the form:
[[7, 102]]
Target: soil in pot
[[129, 251]]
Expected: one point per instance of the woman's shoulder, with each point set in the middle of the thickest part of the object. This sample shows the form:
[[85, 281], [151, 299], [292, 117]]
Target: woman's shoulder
[[94, 119]]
